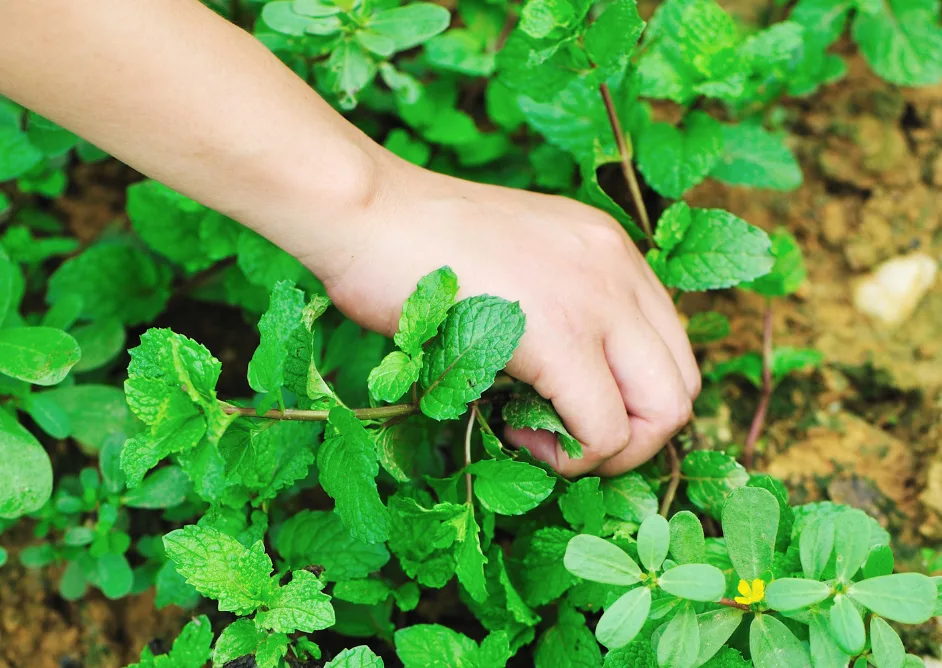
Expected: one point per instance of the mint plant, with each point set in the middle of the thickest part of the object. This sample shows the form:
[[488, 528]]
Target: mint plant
[[352, 487]]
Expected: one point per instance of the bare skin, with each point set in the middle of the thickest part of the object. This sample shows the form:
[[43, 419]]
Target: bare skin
[[196, 103]]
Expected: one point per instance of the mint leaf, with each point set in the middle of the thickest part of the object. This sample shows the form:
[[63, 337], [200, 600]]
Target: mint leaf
[[628, 497], [348, 470], [25, 470], [263, 263], [509, 487], [529, 410], [411, 25], [755, 158], [469, 560], [394, 376], [612, 37], [300, 371], [425, 309], [462, 51], [583, 506], [718, 250], [299, 605], [707, 327], [267, 366], [543, 575], [433, 646], [38, 355], [244, 638], [172, 589], [17, 155], [825, 19], [553, 19], [478, 339], [220, 567], [364, 592], [901, 40], [164, 488], [673, 161], [113, 280], [788, 272], [591, 192], [423, 539], [357, 657], [569, 638]]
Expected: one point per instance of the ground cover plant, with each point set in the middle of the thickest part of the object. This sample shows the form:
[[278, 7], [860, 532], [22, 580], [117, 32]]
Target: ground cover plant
[[349, 503]]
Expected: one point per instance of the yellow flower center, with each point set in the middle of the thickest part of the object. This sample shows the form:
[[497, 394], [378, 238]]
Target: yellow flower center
[[751, 593]]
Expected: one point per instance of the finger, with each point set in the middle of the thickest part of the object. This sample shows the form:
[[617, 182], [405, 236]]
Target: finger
[[583, 391], [659, 310], [652, 388]]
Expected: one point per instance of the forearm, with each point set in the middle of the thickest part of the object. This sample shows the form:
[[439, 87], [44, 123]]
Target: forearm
[[189, 99]]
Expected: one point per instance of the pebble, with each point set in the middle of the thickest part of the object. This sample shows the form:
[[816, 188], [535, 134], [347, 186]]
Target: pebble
[[893, 291]]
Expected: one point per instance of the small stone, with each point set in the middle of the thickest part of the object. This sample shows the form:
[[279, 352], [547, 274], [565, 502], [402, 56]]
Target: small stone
[[893, 291]]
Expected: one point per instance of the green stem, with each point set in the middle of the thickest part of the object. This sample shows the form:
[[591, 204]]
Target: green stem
[[379, 413], [467, 453]]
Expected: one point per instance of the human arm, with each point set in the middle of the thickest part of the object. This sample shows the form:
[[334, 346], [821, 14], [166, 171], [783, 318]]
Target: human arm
[[192, 101]]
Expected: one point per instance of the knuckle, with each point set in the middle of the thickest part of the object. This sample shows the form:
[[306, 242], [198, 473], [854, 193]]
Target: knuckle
[[682, 413], [696, 385]]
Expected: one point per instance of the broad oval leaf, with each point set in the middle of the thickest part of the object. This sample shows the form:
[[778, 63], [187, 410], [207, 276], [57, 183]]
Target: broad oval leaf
[[25, 470], [411, 25], [688, 546], [622, 620], [510, 487], [773, 645], [851, 543], [595, 559], [679, 645], [756, 158], [794, 593], [825, 652], [815, 546], [114, 575], [750, 524], [888, 651], [847, 627], [901, 40], [653, 542], [38, 355], [694, 582], [716, 627], [904, 597]]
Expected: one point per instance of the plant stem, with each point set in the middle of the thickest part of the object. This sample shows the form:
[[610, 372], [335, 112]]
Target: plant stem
[[674, 480], [758, 420], [730, 603], [467, 452], [624, 152], [379, 413]]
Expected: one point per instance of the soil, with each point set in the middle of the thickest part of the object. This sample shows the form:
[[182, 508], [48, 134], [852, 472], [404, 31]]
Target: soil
[[865, 429]]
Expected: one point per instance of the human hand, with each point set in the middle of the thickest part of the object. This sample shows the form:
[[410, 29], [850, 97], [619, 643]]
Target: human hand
[[603, 341]]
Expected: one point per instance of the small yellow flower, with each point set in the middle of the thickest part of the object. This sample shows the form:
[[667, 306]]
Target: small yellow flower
[[751, 593]]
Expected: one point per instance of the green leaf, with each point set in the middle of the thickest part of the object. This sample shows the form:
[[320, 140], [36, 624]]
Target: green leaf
[[113, 280], [611, 39], [462, 51], [628, 497], [750, 523], [888, 650], [816, 545], [879, 562], [469, 559], [318, 537], [348, 469], [364, 592], [38, 355], [299, 605], [583, 506], [220, 567], [48, 415], [25, 470], [568, 643], [718, 250], [825, 18], [595, 559], [426, 309], [789, 594], [623, 619], [114, 575], [824, 650], [529, 410], [9, 276], [773, 645], [192, 646], [510, 487], [686, 538], [543, 575], [411, 25], [100, 341], [679, 645], [350, 69], [716, 627], [394, 376], [432, 646], [851, 543], [357, 657], [17, 155], [847, 628], [904, 597], [164, 488], [707, 327], [172, 589], [673, 161], [591, 191], [901, 40], [479, 337], [694, 582], [243, 638], [653, 542], [755, 158], [267, 366], [543, 19], [96, 413], [788, 272]]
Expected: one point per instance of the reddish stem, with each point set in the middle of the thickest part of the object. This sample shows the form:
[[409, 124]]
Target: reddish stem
[[730, 603], [758, 420]]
